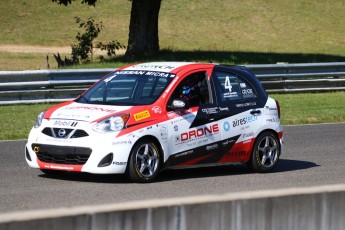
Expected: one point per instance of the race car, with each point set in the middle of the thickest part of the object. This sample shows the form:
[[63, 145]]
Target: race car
[[143, 118]]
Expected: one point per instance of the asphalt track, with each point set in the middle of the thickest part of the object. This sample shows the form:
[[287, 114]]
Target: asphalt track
[[313, 155]]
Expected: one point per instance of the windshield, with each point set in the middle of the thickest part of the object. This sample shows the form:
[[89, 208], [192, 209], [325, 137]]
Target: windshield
[[128, 88]]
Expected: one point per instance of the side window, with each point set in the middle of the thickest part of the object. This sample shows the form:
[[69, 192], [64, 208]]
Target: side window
[[194, 88], [232, 87]]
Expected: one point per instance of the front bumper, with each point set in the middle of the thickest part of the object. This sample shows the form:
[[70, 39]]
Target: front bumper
[[98, 153]]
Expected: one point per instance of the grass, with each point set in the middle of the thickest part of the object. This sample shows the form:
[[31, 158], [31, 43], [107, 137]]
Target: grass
[[240, 32], [295, 109]]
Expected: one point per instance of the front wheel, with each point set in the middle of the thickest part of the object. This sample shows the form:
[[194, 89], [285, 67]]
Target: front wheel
[[265, 153], [144, 161]]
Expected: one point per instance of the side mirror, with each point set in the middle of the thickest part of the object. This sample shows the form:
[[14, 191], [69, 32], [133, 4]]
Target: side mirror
[[179, 104]]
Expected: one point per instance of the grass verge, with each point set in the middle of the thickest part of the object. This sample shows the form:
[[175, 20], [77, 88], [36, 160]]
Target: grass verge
[[296, 109]]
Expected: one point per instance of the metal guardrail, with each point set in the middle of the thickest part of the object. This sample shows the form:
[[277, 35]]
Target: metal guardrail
[[45, 86]]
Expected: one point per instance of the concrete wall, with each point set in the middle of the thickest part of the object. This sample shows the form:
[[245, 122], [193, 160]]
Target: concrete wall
[[316, 208]]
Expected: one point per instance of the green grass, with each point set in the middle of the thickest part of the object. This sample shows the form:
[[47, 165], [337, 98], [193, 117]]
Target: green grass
[[226, 31], [295, 109], [311, 108]]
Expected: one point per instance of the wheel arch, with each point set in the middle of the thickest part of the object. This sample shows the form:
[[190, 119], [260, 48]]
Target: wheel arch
[[271, 131], [275, 133], [155, 140]]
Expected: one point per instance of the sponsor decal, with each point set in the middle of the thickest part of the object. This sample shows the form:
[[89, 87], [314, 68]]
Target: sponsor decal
[[243, 85], [198, 133], [247, 91], [246, 135], [55, 140], [119, 163], [159, 74], [184, 153], [176, 128], [74, 116], [272, 120], [236, 154], [121, 142], [185, 113], [141, 72], [142, 115], [59, 167], [100, 109], [157, 109], [210, 110], [65, 123], [173, 114], [131, 72], [226, 126], [227, 142], [223, 108], [245, 104], [155, 66], [172, 83], [230, 94], [243, 121], [211, 147], [164, 133]]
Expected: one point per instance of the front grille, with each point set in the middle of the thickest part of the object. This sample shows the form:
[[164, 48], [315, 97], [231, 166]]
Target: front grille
[[64, 133], [79, 133], [62, 154]]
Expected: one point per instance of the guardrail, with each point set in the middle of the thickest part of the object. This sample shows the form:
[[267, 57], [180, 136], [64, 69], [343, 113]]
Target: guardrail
[[295, 208], [44, 86]]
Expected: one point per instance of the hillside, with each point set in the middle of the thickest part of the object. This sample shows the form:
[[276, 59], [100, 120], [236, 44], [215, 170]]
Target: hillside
[[285, 27]]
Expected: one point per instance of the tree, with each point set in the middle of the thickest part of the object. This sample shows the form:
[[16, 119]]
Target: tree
[[143, 29]]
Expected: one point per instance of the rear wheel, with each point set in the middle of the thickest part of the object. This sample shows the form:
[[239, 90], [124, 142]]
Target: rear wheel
[[265, 153], [144, 162]]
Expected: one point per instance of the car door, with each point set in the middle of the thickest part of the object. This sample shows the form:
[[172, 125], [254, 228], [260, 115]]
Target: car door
[[194, 133], [240, 113]]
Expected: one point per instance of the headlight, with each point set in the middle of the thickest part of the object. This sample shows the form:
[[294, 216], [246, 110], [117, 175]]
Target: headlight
[[111, 124], [39, 119]]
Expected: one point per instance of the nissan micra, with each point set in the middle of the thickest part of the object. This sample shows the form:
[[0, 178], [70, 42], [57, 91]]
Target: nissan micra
[[146, 117]]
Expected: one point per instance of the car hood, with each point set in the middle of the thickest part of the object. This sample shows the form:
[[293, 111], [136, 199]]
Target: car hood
[[83, 112]]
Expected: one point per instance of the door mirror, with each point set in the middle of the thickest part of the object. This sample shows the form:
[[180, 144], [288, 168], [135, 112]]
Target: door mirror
[[179, 104]]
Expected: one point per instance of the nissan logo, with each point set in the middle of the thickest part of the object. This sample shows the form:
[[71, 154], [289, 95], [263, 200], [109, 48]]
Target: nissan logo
[[62, 132]]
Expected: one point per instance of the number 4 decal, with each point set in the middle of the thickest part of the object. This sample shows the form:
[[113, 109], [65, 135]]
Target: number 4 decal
[[228, 84]]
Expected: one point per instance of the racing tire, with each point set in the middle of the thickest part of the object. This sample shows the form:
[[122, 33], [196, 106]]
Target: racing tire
[[266, 153], [144, 162]]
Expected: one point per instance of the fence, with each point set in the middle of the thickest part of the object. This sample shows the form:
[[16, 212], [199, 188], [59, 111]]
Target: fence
[[44, 86]]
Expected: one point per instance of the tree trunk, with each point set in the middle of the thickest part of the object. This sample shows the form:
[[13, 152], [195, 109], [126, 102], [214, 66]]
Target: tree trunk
[[143, 29]]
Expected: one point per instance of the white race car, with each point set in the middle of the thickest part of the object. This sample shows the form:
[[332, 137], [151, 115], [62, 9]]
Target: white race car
[[146, 117]]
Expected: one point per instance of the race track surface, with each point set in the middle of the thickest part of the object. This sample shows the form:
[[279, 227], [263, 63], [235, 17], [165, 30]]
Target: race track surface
[[313, 155]]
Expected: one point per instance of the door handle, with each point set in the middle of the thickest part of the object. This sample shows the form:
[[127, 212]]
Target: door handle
[[255, 112]]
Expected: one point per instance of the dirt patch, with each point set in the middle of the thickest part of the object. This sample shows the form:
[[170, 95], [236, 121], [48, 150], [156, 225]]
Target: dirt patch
[[34, 49], [45, 49]]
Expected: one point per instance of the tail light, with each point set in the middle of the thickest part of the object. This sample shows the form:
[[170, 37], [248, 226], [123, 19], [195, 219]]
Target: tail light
[[278, 108]]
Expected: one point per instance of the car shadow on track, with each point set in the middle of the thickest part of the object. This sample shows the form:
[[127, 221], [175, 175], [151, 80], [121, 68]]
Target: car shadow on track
[[240, 169], [283, 166]]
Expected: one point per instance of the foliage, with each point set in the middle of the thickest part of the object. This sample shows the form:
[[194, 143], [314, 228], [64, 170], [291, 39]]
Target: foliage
[[85, 47], [84, 50]]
